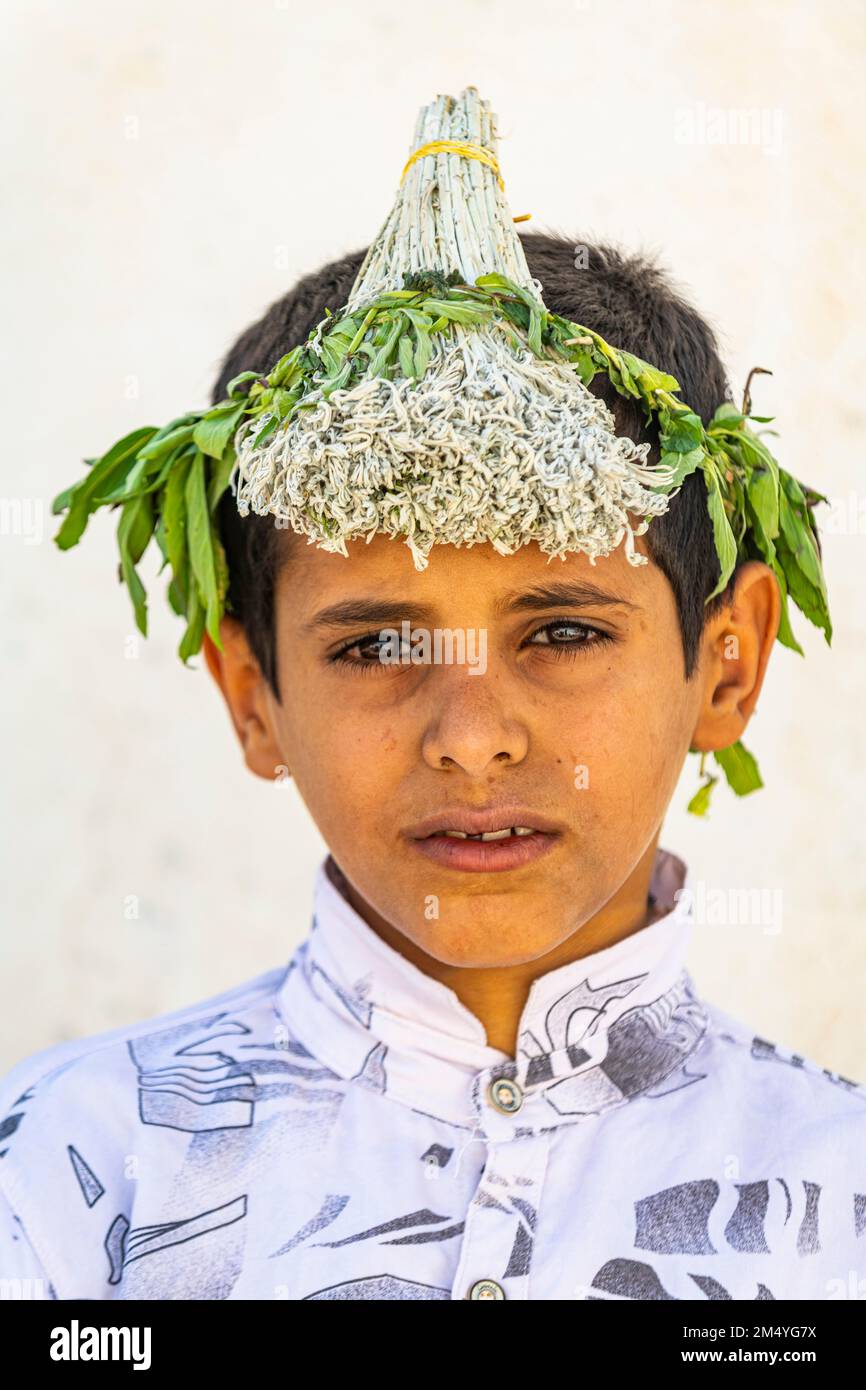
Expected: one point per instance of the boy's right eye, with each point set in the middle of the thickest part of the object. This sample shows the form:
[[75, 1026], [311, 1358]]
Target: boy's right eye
[[372, 650]]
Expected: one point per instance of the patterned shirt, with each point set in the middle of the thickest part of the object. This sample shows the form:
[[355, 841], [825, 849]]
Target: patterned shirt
[[339, 1128]]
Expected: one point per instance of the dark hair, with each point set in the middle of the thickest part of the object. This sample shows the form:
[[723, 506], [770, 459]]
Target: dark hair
[[627, 298]]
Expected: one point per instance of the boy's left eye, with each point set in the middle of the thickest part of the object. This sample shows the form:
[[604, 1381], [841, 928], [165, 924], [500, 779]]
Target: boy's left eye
[[569, 637]]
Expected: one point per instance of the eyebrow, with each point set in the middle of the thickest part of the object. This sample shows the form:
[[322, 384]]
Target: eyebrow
[[376, 613], [368, 611], [570, 593]]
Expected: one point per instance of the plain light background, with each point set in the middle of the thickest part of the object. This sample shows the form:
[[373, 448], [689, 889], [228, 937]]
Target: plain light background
[[169, 171]]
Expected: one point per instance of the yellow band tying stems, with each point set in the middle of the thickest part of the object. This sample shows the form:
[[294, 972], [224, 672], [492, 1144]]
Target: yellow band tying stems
[[465, 147]]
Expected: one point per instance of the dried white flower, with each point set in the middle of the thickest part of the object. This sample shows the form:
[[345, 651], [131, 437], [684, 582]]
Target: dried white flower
[[493, 443]]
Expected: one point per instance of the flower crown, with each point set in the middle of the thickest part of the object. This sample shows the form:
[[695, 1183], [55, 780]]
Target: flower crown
[[445, 404]]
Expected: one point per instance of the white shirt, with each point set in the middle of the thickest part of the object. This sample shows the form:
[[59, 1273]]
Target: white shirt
[[340, 1129]]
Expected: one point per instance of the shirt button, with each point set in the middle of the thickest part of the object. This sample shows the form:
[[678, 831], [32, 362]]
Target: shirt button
[[505, 1095], [486, 1288]]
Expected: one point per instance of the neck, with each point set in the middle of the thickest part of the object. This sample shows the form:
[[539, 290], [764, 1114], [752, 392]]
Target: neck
[[497, 994]]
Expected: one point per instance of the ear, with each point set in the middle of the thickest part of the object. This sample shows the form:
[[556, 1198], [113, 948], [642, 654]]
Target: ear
[[248, 697], [736, 648]]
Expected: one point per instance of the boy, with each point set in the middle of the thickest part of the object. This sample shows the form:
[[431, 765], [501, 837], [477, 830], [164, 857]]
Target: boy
[[486, 1073]]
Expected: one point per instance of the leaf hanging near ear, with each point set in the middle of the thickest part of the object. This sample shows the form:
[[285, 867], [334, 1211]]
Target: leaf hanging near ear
[[740, 768], [700, 802]]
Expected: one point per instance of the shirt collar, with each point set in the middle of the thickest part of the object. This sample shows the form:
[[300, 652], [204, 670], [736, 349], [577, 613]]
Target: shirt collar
[[594, 1033]]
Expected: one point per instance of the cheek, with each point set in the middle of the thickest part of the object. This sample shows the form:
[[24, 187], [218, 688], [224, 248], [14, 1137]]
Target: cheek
[[623, 737], [344, 761]]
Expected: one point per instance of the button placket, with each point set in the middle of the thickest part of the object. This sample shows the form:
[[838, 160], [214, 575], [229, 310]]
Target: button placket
[[499, 1231]]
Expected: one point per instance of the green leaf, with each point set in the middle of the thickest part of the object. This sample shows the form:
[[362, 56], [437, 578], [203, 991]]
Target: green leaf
[[516, 312], [165, 441], [148, 475], [265, 431], [423, 350], [649, 378], [191, 641], [177, 596], [809, 600], [682, 430], [797, 533], [726, 546], [338, 382], [740, 768], [174, 514], [288, 369], [586, 366], [416, 317], [333, 352], [233, 388], [159, 537], [220, 475], [683, 465], [786, 633], [728, 415], [798, 554], [495, 281], [222, 571], [140, 480], [407, 356], [62, 500], [536, 323], [458, 313], [700, 802], [383, 356], [133, 535], [281, 405], [215, 429], [763, 495], [200, 546], [105, 473]]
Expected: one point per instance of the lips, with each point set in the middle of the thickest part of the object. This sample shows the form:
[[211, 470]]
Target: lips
[[490, 835], [492, 820], [484, 841]]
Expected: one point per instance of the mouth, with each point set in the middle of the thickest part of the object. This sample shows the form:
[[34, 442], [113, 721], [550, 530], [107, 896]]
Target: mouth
[[484, 841]]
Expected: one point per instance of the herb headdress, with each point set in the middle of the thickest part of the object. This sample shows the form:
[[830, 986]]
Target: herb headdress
[[443, 403]]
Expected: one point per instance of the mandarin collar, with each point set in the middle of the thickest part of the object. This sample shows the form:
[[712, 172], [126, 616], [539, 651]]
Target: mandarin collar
[[594, 1033]]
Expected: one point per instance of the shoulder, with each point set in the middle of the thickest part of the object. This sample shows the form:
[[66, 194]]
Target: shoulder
[[98, 1072], [87, 1125], [775, 1083], [755, 1047]]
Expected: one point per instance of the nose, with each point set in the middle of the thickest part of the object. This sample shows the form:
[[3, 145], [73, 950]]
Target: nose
[[469, 727]]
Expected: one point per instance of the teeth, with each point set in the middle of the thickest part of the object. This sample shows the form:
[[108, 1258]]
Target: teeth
[[491, 834]]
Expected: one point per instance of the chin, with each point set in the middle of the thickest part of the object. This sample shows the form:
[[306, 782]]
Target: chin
[[465, 936]]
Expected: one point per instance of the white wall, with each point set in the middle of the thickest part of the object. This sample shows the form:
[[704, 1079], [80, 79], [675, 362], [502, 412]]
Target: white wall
[[172, 168]]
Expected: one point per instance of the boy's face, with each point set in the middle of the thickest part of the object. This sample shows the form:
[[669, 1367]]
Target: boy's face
[[569, 716]]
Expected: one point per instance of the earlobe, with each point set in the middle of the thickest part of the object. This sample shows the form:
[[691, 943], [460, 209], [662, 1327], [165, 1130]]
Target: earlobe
[[238, 676], [737, 647]]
